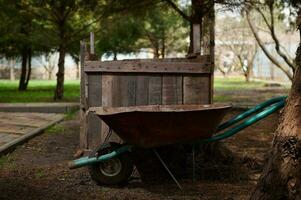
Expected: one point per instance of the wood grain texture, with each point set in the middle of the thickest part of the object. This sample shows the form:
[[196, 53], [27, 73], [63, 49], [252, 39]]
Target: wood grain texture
[[196, 89], [110, 83], [24, 127], [172, 90], [95, 99], [149, 67], [142, 90], [155, 90]]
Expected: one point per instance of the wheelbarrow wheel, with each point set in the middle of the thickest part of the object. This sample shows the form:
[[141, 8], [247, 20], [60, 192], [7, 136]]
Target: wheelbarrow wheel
[[115, 171]]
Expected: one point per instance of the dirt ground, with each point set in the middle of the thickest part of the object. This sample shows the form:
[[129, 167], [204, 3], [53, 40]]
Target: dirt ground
[[38, 170]]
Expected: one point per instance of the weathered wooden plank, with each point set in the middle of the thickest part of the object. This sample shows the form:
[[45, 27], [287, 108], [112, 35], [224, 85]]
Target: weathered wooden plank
[[119, 90], [7, 143], [83, 99], [127, 90], [198, 59], [142, 90], [8, 128], [148, 67], [107, 101], [196, 89], [155, 90], [172, 90], [179, 89], [196, 38], [95, 99], [28, 122]]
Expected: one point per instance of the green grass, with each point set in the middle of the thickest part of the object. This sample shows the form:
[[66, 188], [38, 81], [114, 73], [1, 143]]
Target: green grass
[[56, 129], [239, 83], [235, 89], [236, 83], [38, 91]]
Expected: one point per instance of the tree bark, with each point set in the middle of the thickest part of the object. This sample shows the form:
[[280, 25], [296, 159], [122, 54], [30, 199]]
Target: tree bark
[[12, 63], [156, 53], [59, 91], [115, 55], [281, 177], [28, 67], [22, 82]]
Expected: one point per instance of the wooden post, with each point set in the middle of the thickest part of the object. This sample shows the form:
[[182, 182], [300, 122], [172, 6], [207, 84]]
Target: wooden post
[[92, 48], [196, 28], [83, 98]]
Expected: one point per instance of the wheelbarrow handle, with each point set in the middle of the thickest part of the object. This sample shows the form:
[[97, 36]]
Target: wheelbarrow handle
[[250, 112], [263, 110], [84, 161]]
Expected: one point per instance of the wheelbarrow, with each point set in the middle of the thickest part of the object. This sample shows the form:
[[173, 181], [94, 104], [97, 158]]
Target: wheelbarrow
[[158, 125]]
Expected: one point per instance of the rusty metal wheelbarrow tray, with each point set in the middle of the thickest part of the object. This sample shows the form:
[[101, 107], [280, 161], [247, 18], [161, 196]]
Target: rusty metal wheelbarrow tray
[[179, 124], [157, 125]]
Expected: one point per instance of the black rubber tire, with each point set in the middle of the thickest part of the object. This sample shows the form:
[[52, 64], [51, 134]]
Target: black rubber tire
[[121, 177]]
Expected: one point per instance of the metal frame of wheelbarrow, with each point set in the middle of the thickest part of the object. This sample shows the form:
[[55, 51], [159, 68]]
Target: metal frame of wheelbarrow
[[254, 115]]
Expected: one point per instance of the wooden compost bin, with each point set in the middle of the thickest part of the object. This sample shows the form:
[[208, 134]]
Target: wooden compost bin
[[146, 81], [140, 82]]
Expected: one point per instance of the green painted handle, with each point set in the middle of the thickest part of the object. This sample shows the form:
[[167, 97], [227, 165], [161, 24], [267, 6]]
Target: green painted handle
[[263, 110]]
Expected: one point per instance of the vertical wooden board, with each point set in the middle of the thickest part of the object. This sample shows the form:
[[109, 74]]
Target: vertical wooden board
[[171, 90], [115, 93], [126, 91], [94, 89], [95, 99], [155, 90], [179, 88], [107, 87], [196, 31], [123, 93], [142, 87], [196, 89], [208, 41], [83, 131]]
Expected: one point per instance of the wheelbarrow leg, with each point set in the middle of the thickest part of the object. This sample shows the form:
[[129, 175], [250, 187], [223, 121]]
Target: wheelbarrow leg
[[166, 168]]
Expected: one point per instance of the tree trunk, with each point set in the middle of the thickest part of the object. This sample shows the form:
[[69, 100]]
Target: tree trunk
[[22, 82], [115, 55], [28, 67], [77, 71], [59, 91], [281, 177], [190, 49], [156, 53], [49, 74], [247, 78], [12, 64], [163, 45], [248, 72]]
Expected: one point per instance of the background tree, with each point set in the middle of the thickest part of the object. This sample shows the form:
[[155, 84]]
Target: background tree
[[19, 36], [272, 21], [64, 23], [242, 44], [49, 62], [117, 35], [164, 31]]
